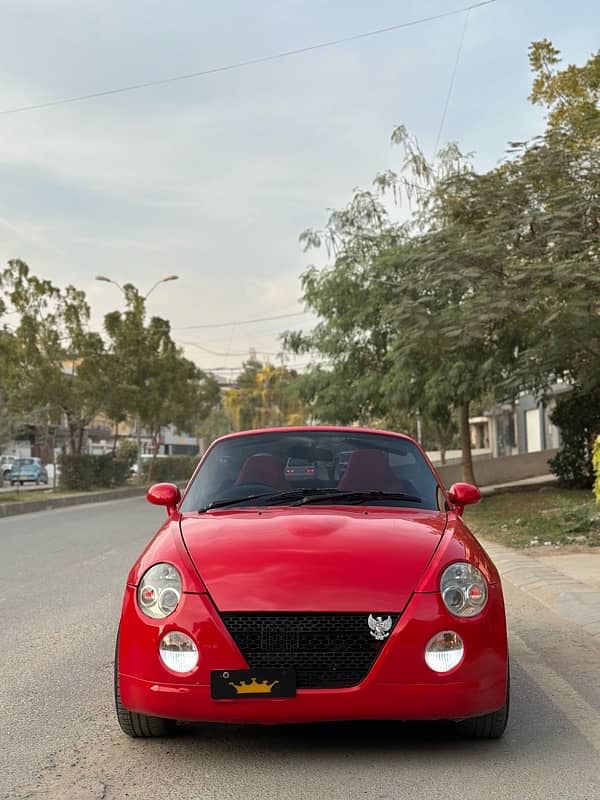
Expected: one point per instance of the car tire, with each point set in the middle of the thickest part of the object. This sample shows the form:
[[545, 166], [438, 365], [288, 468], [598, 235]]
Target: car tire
[[139, 726], [488, 726]]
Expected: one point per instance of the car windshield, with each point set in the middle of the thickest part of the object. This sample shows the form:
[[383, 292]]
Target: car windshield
[[24, 462], [295, 467]]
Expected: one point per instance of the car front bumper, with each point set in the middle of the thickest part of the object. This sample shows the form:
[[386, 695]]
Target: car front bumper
[[398, 686]]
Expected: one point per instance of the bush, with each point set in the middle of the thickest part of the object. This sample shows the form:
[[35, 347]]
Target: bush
[[578, 417], [83, 472], [128, 451], [596, 463], [172, 469]]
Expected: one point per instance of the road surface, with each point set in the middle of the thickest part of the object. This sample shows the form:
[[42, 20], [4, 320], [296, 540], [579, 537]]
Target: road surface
[[62, 574]]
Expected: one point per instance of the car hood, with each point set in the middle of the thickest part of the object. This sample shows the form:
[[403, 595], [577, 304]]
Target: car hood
[[312, 559]]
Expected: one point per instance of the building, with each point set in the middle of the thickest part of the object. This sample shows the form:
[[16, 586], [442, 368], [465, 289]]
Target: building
[[522, 425]]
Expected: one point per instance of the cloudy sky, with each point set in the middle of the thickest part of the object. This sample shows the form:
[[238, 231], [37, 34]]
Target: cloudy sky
[[214, 178]]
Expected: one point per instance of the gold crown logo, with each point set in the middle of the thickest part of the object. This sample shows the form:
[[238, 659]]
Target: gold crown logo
[[253, 687]]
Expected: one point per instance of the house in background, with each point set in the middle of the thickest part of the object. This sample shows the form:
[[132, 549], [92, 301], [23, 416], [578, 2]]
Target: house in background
[[520, 426]]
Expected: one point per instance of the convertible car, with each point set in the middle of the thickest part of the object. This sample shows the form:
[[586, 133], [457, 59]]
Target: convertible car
[[345, 594]]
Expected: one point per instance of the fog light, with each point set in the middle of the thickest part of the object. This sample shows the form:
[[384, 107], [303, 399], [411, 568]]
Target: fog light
[[444, 651], [178, 651]]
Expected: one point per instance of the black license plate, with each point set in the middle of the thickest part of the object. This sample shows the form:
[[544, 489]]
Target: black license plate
[[239, 684]]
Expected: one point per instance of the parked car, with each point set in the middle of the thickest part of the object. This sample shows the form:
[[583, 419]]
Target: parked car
[[27, 470], [6, 463], [265, 601]]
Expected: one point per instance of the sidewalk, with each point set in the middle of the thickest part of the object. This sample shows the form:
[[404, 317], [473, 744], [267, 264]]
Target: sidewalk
[[567, 584]]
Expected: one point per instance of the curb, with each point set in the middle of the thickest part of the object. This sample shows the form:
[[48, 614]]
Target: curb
[[48, 503], [539, 483], [573, 601]]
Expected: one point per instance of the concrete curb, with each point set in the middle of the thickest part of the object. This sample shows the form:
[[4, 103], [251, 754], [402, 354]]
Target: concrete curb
[[526, 485], [571, 600], [47, 503]]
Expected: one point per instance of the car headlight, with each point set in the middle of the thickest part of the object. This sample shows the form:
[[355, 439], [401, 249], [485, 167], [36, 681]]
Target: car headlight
[[159, 591], [464, 590]]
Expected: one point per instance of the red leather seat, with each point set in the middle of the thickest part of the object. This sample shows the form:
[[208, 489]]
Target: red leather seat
[[369, 471], [262, 469]]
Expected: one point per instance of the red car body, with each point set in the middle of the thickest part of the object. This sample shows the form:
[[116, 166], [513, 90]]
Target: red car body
[[331, 563]]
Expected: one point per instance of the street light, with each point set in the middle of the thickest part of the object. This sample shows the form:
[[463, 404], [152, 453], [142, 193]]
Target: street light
[[108, 280], [162, 280], [148, 293], [138, 424]]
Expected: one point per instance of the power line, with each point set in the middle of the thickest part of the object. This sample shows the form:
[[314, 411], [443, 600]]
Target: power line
[[223, 355], [452, 79], [240, 322], [245, 63]]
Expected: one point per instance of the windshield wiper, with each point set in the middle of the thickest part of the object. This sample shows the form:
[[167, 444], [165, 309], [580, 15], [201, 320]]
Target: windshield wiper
[[232, 501], [270, 498], [358, 497], [299, 497]]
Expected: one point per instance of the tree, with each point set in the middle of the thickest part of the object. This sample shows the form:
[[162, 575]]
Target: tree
[[157, 383], [491, 288], [571, 95], [54, 362], [265, 396], [394, 305]]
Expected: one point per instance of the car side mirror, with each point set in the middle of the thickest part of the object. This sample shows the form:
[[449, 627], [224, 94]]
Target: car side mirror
[[463, 494], [164, 494]]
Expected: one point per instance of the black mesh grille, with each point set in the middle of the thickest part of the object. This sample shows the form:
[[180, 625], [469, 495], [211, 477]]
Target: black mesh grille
[[326, 650]]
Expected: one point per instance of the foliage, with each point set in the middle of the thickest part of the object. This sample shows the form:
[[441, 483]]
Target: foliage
[[172, 469], [83, 472], [55, 369], [216, 424], [571, 95], [157, 383], [578, 417], [489, 289], [51, 360], [265, 396], [596, 465], [127, 451]]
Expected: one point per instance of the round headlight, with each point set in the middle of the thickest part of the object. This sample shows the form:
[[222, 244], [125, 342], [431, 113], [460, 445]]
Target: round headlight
[[464, 590], [444, 651], [159, 591], [178, 651]]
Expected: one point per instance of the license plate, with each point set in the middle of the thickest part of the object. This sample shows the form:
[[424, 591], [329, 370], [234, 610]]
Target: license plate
[[239, 684]]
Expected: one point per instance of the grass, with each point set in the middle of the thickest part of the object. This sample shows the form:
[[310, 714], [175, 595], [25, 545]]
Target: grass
[[550, 517], [44, 494]]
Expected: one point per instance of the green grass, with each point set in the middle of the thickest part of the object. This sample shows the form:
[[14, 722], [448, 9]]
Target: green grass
[[44, 494], [530, 519]]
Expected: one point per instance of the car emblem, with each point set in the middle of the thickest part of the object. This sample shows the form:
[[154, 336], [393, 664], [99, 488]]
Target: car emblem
[[380, 628]]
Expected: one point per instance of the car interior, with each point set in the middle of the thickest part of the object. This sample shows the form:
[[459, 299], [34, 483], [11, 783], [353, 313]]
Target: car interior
[[257, 465]]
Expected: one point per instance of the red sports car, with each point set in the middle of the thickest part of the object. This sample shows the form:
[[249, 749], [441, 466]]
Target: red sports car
[[363, 596]]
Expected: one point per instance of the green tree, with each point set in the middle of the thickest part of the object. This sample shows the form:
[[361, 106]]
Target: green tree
[[157, 383], [490, 288], [54, 362], [265, 396], [571, 95]]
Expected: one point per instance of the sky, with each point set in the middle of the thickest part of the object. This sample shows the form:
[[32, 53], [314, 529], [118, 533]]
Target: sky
[[214, 178]]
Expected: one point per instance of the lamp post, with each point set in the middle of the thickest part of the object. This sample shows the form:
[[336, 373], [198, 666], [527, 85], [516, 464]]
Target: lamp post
[[166, 278], [138, 423]]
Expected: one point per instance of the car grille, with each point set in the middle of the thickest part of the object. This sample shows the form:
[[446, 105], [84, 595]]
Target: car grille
[[325, 650]]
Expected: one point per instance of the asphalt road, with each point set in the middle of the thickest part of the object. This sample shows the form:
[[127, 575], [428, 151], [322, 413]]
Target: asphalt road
[[61, 579]]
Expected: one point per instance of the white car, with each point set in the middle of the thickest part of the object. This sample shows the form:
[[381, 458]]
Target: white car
[[6, 463]]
